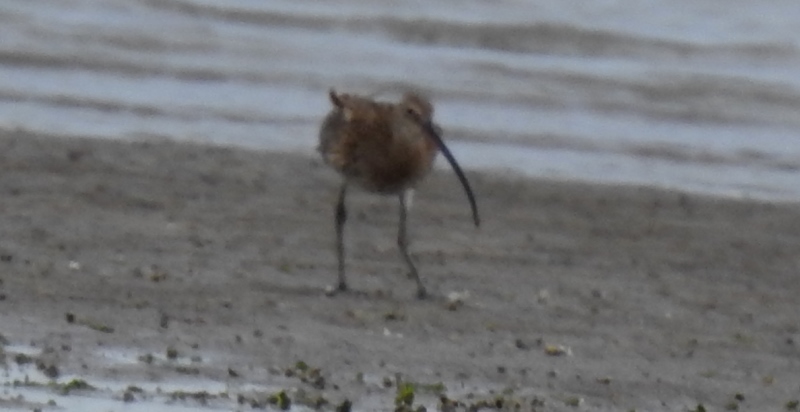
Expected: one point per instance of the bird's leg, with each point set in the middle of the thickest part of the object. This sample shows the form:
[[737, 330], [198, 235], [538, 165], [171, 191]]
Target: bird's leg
[[341, 218], [402, 243]]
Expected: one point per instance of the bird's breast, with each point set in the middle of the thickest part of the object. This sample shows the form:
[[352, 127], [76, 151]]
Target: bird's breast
[[367, 148]]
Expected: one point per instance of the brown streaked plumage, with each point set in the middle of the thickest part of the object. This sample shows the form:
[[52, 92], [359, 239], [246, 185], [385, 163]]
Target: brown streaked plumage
[[386, 148]]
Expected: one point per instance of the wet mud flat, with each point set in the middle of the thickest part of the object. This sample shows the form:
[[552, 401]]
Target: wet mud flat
[[170, 276]]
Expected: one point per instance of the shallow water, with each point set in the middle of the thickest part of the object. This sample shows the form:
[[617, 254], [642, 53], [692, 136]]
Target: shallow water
[[23, 387], [700, 95], [31, 388]]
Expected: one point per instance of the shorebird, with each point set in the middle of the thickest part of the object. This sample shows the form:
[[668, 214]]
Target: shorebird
[[385, 148]]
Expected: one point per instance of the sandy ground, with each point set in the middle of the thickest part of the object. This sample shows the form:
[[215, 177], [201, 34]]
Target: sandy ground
[[576, 297]]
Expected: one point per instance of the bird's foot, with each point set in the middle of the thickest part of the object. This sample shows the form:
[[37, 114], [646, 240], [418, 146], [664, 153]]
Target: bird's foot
[[333, 290], [422, 294]]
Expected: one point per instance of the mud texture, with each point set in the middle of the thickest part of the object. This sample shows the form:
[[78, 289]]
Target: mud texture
[[570, 296]]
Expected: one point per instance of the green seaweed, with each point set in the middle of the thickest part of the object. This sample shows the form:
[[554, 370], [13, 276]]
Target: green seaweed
[[281, 400], [405, 394], [74, 385]]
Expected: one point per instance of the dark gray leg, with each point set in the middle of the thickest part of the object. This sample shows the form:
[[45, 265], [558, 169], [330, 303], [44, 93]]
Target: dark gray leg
[[341, 218], [402, 243]]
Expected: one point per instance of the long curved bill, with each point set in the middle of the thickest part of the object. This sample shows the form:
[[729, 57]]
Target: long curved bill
[[431, 131]]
